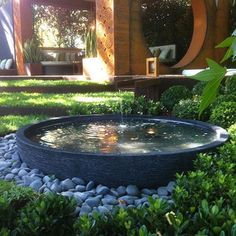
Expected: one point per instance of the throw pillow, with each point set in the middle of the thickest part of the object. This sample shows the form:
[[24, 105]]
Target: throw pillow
[[157, 52], [2, 64], [8, 64], [165, 53]]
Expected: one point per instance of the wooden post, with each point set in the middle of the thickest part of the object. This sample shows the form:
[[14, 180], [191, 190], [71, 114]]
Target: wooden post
[[23, 30]]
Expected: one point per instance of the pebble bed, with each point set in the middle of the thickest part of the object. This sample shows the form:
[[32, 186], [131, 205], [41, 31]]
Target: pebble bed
[[89, 197]]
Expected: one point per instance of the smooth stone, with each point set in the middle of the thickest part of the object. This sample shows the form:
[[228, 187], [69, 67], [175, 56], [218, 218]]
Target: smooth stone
[[109, 200], [162, 191], [140, 201], [132, 190], [149, 191], [109, 207], [171, 201], [36, 185], [27, 180], [47, 191], [10, 136], [15, 171], [15, 156], [4, 165], [93, 201], [145, 204], [55, 187], [121, 190], [131, 206], [78, 181], [103, 190], [67, 184], [34, 171], [46, 179], [90, 186], [85, 209], [9, 177], [155, 196], [23, 165], [114, 192], [41, 190], [7, 155], [67, 194], [77, 211], [103, 210], [170, 186], [80, 188], [22, 172], [78, 199], [127, 199], [16, 164], [84, 195]]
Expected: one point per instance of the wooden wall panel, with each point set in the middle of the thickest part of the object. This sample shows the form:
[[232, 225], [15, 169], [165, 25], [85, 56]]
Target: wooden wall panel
[[105, 34]]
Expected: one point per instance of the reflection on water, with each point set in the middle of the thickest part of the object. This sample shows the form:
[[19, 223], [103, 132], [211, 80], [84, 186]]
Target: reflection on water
[[130, 137]]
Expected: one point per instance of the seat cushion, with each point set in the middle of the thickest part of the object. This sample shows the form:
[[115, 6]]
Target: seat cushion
[[8, 64]]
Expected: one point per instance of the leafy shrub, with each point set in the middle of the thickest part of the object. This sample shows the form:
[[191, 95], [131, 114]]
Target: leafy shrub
[[12, 200], [50, 215], [230, 85], [232, 132], [224, 115], [209, 194], [198, 88], [173, 95], [127, 222], [188, 109], [223, 98]]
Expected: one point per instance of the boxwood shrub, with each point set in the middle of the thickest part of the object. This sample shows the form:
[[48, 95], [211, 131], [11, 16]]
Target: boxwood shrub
[[230, 85], [224, 114], [173, 95], [189, 109]]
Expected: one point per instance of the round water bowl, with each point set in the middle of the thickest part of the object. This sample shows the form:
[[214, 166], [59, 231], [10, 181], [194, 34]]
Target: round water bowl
[[146, 151]]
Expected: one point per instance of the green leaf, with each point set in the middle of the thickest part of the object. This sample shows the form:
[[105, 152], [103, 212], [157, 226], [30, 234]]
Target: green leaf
[[209, 94], [226, 43]]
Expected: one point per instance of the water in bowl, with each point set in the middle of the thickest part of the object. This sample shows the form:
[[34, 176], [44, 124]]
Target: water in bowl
[[125, 138]]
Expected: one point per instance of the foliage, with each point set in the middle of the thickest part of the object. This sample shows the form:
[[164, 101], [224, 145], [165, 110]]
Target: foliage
[[223, 98], [90, 43], [168, 22], [32, 52], [173, 95], [215, 74], [188, 109], [128, 222], [65, 27], [224, 115], [50, 215], [230, 85], [199, 87], [12, 200]]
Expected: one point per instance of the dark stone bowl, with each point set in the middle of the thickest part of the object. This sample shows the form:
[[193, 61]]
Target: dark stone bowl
[[145, 170]]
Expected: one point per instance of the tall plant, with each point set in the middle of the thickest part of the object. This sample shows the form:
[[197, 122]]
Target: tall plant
[[215, 74], [32, 52], [90, 43]]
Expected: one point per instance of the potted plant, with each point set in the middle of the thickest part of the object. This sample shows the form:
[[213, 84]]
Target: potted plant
[[33, 57], [92, 65]]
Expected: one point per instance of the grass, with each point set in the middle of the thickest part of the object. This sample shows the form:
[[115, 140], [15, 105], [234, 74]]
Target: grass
[[12, 123], [60, 100], [90, 103], [35, 82]]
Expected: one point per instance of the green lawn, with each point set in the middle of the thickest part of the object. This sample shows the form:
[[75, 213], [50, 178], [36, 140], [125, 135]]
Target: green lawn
[[36, 82], [12, 123], [89, 103], [61, 100]]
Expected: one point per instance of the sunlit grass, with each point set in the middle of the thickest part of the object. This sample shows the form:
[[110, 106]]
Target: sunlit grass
[[12, 123], [37, 82], [60, 100]]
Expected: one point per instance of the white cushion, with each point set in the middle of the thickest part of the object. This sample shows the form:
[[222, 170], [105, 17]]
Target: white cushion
[[2, 64], [8, 64]]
